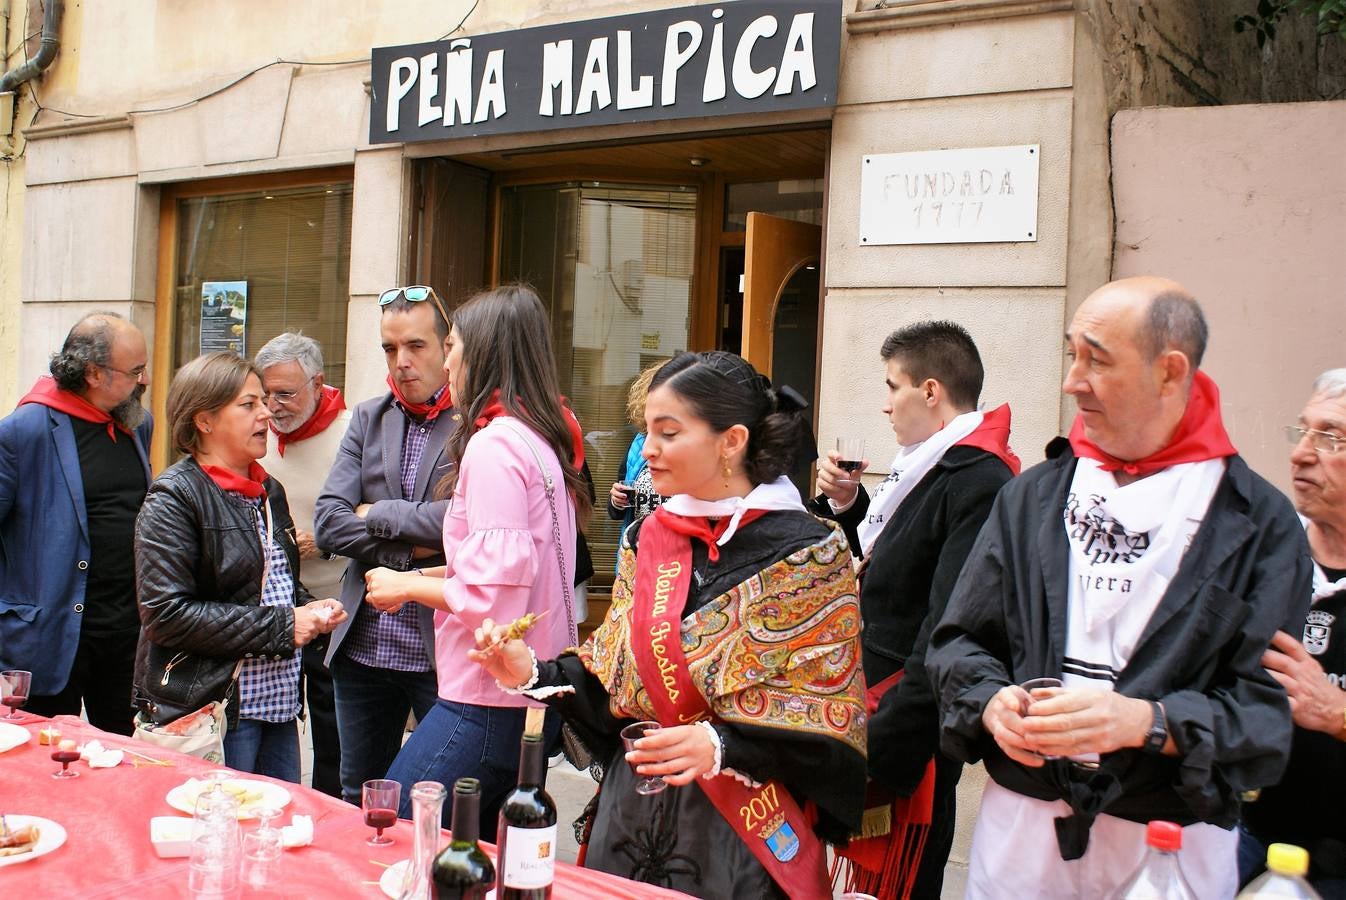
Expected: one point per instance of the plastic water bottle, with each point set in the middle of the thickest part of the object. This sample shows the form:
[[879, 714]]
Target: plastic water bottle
[[1159, 876], [1286, 867]]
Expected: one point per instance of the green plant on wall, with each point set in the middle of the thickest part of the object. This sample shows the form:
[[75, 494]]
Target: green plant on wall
[[1331, 16]]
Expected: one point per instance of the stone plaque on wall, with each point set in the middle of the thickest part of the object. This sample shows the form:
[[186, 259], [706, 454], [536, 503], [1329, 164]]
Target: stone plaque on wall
[[974, 195]]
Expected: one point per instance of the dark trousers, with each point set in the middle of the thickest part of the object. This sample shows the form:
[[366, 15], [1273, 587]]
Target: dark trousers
[[322, 720], [372, 705], [100, 677], [943, 817]]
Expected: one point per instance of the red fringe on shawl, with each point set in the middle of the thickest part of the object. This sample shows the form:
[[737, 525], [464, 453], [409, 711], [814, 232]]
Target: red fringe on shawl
[[885, 864]]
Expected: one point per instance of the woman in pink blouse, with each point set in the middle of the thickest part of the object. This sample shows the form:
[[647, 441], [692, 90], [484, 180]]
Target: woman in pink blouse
[[509, 540]]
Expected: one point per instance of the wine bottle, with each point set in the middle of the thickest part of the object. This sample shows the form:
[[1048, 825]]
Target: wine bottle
[[461, 870], [527, 832]]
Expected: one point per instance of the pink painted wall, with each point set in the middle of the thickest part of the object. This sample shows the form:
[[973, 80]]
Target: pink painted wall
[[1246, 206]]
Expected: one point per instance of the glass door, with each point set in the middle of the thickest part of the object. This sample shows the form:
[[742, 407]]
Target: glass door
[[615, 264]]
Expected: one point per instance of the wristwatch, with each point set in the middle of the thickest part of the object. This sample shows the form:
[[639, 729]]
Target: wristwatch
[[1157, 736]]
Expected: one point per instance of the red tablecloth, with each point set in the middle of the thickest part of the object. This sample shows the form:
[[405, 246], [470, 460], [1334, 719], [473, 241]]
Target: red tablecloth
[[106, 813]]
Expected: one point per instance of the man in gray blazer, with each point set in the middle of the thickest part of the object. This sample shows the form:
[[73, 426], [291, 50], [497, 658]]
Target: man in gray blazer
[[378, 508]]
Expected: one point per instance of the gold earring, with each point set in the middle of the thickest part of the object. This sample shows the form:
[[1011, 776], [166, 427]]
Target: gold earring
[[727, 471]]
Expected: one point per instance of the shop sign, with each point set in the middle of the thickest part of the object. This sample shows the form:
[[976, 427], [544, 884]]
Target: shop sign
[[986, 194], [742, 57]]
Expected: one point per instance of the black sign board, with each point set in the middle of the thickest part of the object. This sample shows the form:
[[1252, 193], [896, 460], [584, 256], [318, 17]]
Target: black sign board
[[738, 57]]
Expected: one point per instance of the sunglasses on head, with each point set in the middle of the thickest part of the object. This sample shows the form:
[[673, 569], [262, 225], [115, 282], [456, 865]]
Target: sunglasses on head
[[415, 293]]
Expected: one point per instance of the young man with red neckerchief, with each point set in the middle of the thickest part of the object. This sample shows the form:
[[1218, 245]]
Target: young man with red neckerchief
[[378, 508], [1147, 567]]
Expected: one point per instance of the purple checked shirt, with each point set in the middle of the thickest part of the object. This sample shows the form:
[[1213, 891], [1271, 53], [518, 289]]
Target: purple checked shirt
[[393, 640]]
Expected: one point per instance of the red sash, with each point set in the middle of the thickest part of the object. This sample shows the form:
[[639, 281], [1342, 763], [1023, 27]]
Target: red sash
[[767, 818]]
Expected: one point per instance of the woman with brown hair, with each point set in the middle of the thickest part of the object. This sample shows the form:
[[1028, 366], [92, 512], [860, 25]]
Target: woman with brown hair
[[516, 494], [222, 612]]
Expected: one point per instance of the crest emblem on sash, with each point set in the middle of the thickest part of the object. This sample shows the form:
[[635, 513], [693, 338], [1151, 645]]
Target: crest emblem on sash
[[1317, 630], [783, 842]]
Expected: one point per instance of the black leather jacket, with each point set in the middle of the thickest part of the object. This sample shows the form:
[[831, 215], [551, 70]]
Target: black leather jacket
[[199, 569]]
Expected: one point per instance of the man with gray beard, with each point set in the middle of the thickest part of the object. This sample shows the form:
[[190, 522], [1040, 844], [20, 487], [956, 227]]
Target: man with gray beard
[[74, 469]]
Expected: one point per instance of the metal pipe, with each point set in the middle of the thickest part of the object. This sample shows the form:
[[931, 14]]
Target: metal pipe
[[51, 42]]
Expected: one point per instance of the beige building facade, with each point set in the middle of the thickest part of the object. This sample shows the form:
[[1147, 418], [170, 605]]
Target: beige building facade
[[184, 148]]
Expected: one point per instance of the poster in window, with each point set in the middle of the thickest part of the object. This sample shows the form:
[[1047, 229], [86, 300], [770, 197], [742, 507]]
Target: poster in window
[[224, 316]]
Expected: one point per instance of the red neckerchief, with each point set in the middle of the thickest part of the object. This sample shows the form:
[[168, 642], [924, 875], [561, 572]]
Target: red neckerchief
[[496, 408], [251, 487], [425, 411], [330, 405], [46, 393], [992, 435], [1200, 436], [699, 527]]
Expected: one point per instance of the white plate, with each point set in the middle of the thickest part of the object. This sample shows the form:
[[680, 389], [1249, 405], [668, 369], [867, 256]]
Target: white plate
[[183, 797], [49, 838], [12, 736], [390, 882]]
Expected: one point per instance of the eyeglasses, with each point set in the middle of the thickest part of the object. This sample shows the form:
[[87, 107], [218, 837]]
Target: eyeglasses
[[1322, 441], [285, 398], [415, 293], [135, 374]]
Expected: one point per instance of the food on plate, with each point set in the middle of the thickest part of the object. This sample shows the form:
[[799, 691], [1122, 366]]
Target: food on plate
[[243, 793], [49, 736], [15, 841]]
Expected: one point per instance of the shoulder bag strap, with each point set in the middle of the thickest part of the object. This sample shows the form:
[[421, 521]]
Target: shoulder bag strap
[[550, 487]]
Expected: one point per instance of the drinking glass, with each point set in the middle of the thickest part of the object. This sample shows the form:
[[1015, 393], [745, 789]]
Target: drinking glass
[[213, 871], [263, 850], [1026, 701], [378, 799], [850, 456], [645, 784], [14, 685], [65, 755]]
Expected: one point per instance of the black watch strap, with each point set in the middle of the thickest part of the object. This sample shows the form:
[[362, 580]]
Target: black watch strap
[[1157, 736]]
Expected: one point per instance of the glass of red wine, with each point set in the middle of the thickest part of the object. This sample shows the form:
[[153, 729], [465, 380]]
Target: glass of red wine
[[14, 685], [65, 753], [850, 456], [378, 799]]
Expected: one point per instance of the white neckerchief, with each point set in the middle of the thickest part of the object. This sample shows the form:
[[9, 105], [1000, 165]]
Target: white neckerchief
[[908, 468], [1321, 586], [1126, 544], [779, 494]]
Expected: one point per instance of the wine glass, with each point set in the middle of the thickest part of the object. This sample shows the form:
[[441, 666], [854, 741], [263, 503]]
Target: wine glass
[[14, 685], [262, 851], [1030, 688], [65, 753], [378, 799], [850, 456], [645, 784]]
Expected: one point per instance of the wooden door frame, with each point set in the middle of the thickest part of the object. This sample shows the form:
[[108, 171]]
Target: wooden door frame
[[165, 303]]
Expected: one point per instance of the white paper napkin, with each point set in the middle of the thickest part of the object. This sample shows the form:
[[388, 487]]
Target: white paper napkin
[[299, 833]]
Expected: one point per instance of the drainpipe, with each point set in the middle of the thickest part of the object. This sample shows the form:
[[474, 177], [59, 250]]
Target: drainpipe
[[46, 53]]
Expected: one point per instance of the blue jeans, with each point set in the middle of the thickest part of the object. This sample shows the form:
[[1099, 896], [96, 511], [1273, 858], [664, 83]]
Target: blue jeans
[[372, 705], [263, 748], [458, 740]]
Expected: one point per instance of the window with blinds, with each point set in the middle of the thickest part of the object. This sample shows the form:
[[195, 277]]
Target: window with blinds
[[614, 263], [283, 256]]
